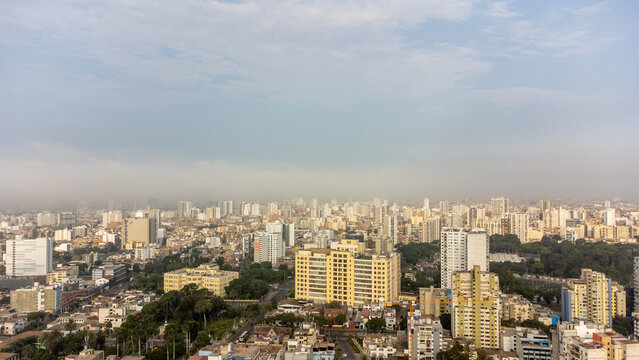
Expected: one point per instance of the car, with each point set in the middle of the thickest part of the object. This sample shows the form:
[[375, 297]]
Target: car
[[344, 355]]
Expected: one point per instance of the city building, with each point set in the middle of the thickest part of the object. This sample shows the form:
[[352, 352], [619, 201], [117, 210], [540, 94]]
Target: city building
[[461, 250], [205, 277], [588, 340], [268, 245], [37, 298], [517, 308], [390, 228], [592, 297], [288, 234], [325, 275], [116, 273], [533, 344], [475, 307], [58, 274], [519, 226], [138, 232], [426, 338], [431, 229], [29, 257], [434, 301]]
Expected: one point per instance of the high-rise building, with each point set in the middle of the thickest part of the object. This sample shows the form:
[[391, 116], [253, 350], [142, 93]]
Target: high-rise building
[[592, 297], [390, 227], [205, 277], [29, 257], [499, 206], [63, 235], [109, 217], [138, 232], [426, 204], [288, 234], [325, 275], [475, 307], [430, 229], [519, 226], [269, 245], [66, 219], [46, 219], [609, 217], [184, 209], [461, 250]]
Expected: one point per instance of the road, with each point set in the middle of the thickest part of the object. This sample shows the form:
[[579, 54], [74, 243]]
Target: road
[[341, 341], [275, 295]]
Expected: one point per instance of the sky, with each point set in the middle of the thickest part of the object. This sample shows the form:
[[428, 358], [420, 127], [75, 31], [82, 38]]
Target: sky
[[261, 100]]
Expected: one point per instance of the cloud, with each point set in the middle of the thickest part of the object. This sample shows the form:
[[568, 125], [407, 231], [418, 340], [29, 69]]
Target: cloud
[[557, 32], [501, 9]]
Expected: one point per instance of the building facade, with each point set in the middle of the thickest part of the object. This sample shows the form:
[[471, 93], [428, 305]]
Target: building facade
[[325, 275], [205, 277], [461, 250], [476, 308], [29, 257], [592, 297]]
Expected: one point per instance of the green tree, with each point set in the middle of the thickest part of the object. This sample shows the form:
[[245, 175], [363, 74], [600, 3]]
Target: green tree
[[376, 324], [622, 325], [203, 307], [70, 325], [340, 319], [445, 319]]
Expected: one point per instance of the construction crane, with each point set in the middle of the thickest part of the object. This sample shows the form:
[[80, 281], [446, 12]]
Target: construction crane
[[411, 321]]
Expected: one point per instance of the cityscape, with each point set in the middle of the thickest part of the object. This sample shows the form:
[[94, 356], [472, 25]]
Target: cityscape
[[310, 279], [319, 180]]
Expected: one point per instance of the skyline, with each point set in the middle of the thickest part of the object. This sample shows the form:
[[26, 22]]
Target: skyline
[[267, 100]]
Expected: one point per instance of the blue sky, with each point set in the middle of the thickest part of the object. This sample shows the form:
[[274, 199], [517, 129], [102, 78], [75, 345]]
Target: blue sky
[[334, 99]]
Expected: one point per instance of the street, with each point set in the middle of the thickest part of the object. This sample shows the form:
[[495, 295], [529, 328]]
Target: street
[[273, 295]]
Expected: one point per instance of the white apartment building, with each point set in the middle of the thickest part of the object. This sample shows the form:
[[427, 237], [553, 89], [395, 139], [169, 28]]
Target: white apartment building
[[460, 251], [29, 257]]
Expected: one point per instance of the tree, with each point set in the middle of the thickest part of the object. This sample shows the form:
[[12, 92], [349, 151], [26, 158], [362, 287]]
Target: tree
[[622, 325], [457, 352], [70, 326], [376, 324], [340, 319], [203, 307], [219, 261], [445, 319]]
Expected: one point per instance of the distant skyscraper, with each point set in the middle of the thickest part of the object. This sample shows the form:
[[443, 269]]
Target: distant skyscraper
[[609, 217], [460, 251], [288, 234], [184, 208], [269, 245], [138, 232], [430, 229], [112, 216], [29, 257], [390, 228], [46, 219], [499, 206], [519, 226], [426, 204]]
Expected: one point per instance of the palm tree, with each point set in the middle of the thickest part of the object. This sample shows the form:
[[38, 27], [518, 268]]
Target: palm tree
[[203, 307], [70, 326]]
